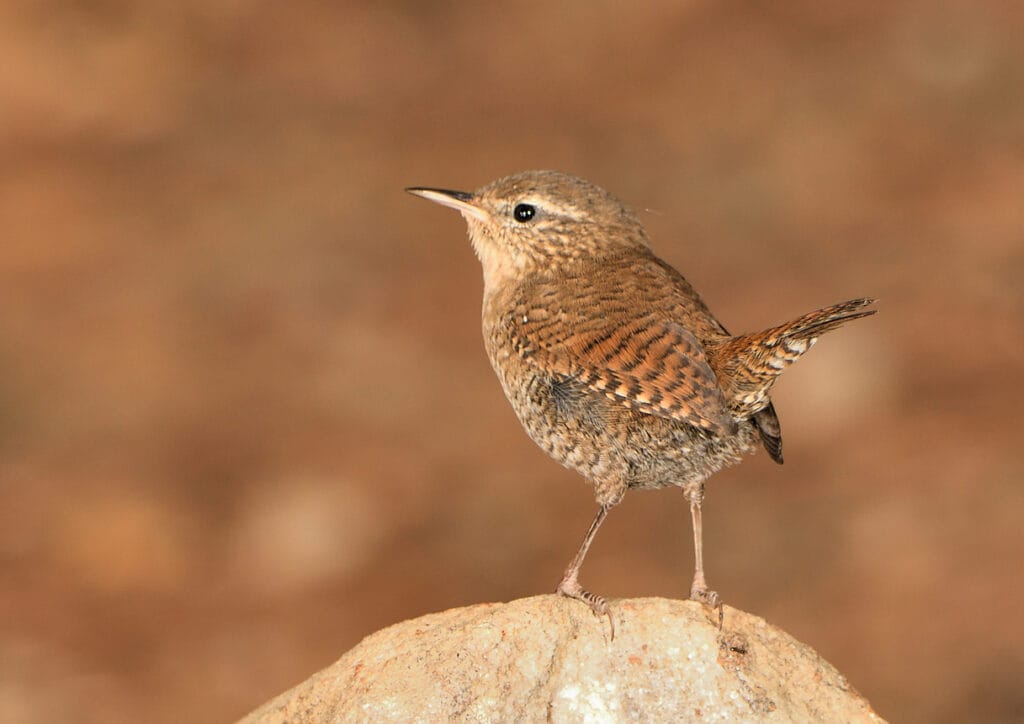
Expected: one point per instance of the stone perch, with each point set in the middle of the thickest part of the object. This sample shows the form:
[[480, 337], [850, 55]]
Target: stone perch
[[549, 657]]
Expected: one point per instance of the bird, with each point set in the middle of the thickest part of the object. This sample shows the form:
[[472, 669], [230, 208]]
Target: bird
[[612, 362]]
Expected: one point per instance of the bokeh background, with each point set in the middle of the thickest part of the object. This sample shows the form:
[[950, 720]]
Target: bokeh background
[[246, 417]]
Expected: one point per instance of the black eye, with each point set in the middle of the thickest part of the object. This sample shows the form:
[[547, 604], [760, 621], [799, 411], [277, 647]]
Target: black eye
[[524, 212]]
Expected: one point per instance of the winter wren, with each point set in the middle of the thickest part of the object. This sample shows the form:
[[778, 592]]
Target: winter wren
[[612, 362]]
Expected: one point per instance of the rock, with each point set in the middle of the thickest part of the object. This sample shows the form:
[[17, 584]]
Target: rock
[[549, 657]]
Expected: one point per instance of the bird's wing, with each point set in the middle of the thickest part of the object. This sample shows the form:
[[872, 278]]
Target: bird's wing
[[650, 365]]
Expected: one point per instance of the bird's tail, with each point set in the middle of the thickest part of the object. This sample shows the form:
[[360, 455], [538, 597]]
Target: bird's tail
[[749, 364]]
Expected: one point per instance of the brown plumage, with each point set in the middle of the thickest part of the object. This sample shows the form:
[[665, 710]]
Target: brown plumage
[[610, 359]]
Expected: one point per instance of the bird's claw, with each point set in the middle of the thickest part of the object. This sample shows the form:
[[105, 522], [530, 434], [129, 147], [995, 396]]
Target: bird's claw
[[710, 599], [598, 604]]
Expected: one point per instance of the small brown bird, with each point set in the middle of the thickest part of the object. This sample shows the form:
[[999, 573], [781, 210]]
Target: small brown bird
[[612, 362]]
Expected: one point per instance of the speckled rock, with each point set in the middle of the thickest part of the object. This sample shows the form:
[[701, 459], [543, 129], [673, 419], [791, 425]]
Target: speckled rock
[[550, 657]]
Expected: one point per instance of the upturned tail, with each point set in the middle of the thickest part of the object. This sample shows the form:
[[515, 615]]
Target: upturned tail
[[748, 365]]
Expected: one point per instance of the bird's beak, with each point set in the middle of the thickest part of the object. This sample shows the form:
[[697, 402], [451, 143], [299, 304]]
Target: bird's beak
[[458, 200]]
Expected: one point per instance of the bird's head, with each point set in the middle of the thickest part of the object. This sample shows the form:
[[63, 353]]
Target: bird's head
[[540, 220]]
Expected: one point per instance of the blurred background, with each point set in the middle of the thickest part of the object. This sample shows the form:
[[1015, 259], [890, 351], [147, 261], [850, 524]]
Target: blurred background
[[246, 417]]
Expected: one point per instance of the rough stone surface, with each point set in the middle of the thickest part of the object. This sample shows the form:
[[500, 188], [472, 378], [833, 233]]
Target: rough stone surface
[[550, 658]]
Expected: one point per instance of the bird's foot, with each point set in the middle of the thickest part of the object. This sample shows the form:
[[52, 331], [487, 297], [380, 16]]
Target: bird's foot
[[710, 599], [570, 588]]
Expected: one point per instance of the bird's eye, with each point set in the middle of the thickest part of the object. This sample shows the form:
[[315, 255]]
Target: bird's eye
[[524, 212]]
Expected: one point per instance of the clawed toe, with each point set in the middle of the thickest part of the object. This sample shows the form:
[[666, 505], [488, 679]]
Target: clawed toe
[[710, 599], [598, 604]]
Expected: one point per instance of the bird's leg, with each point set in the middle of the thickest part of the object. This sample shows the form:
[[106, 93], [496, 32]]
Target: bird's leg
[[699, 588], [570, 585]]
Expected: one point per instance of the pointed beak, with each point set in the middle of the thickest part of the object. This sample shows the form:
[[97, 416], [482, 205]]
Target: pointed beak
[[458, 200]]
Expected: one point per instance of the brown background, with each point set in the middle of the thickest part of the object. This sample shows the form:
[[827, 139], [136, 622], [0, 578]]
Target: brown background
[[245, 414]]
